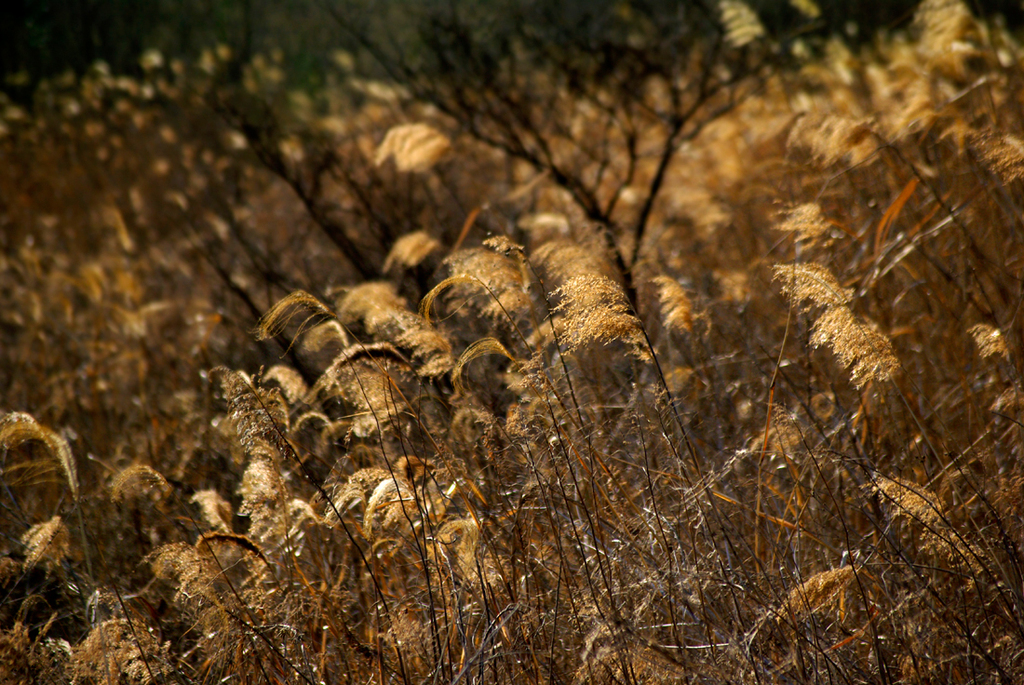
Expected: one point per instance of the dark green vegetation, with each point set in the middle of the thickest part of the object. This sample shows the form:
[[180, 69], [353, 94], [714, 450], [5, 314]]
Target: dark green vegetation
[[649, 362]]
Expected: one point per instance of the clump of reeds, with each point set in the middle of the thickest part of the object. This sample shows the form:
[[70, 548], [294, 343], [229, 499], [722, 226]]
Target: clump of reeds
[[559, 452]]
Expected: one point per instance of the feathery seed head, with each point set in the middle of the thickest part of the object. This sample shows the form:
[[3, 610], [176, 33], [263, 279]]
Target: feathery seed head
[[596, 310], [742, 25], [990, 340], [910, 498], [499, 274], [414, 147], [806, 222], [274, 321], [943, 24], [1005, 154], [410, 250], [543, 227], [385, 315], [260, 415], [215, 509], [373, 303], [137, 479], [819, 591], [812, 282], [856, 344], [504, 245], [677, 309], [47, 542], [291, 382], [17, 428], [831, 138], [563, 259]]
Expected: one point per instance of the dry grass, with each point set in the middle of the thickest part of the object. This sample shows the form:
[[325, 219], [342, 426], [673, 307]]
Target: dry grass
[[780, 447]]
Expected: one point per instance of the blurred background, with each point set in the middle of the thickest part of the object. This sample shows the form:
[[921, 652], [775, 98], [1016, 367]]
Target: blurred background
[[46, 38]]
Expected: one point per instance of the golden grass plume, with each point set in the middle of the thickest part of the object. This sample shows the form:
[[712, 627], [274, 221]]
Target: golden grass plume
[[596, 310], [385, 315], [17, 428], [477, 349], [741, 23], [990, 340], [414, 147], [923, 506], [274, 321], [868, 352], [260, 415], [291, 382], [374, 304], [910, 499], [410, 250], [264, 496], [118, 651], [943, 23], [364, 376], [215, 509], [137, 479], [323, 335], [562, 259], [819, 591], [812, 282], [1004, 154], [831, 138], [806, 222], [676, 306], [808, 8], [499, 276], [48, 543]]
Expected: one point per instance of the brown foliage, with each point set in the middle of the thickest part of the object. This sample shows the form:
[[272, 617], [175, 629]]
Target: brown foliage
[[605, 447]]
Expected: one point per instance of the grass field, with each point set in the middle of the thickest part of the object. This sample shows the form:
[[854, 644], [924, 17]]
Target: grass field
[[350, 387]]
